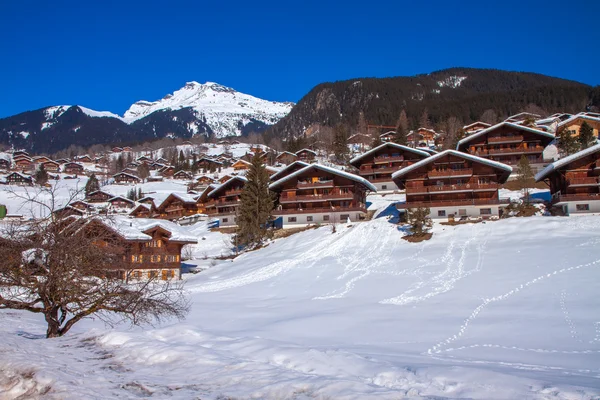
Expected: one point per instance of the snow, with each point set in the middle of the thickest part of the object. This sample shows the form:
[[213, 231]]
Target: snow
[[501, 310], [221, 107], [98, 114], [494, 127], [24, 134], [334, 171], [389, 144], [566, 160], [451, 81]]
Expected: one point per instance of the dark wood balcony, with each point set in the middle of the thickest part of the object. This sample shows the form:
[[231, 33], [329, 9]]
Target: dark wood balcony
[[465, 187], [316, 197], [449, 173], [505, 139], [387, 159], [287, 211], [560, 198], [315, 185], [451, 203], [588, 181], [517, 150]]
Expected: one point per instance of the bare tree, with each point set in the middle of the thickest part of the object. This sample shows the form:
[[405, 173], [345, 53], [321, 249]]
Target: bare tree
[[70, 269], [143, 171], [453, 126], [424, 121], [489, 117]]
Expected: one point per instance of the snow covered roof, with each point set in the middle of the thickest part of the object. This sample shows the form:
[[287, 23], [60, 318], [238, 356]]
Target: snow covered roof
[[282, 171], [577, 116], [136, 228], [501, 124], [392, 145], [227, 183], [333, 171], [286, 153], [307, 150], [564, 161], [476, 123], [125, 173], [523, 115], [120, 198], [467, 156], [427, 150]]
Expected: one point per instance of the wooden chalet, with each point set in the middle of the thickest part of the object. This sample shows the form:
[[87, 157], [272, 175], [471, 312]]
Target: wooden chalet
[[167, 171], [132, 165], [183, 175], [162, 160], [475, 127], [378, 164], [575, 181], [287, 170], [124, 177], [520, 117], [20, 153], [62, 161], [143, 210], [507, 142], [360, 138], [85, 158], [225, 201], [205, 180], [241, 165], [82, 205], [51, 166], [453, 183], [121, 202], [144, 160], [152, 248], [224, 178], [23, 164], [156, 166], [427, 135], [177, 205], [98, 196], [73, 168], [573, 124], [5, 161], [320, 194], [17, 178], [387, 136], [286, 158], [208, 164], [306, 155]]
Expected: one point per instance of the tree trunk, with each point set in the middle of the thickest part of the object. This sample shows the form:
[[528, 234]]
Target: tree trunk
[[53, 329]]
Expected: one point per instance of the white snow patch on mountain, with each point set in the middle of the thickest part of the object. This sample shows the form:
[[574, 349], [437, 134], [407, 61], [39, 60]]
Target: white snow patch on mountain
[[24, 134], [99, 114], [451, 81], [223, 108], [55, 111]]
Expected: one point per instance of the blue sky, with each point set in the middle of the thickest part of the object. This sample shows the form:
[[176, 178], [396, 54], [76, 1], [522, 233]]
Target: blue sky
[[106, 55]]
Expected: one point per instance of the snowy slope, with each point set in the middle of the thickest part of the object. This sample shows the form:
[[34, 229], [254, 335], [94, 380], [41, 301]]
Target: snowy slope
[[222, 108], [501, 310]]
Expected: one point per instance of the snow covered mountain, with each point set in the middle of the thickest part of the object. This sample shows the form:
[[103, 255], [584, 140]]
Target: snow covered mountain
[[195, 109]]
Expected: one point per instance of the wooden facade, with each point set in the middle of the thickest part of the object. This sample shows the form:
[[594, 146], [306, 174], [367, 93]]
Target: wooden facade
[[453, 183], [574, 123], [123, 177], [208, 165], [225, 199], [98, 196], [5, 163], [286, 158], [176, 206], [378, 165], [475, 127], [319, 194], [387, 136], [575, 181], [17, 178], [306, 155], [73, 168], [507, 143]]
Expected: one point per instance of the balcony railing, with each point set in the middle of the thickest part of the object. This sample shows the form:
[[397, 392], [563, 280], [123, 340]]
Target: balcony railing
[[505, 139], [465, 187], [371, 171], [450, 172], [559, 198], [384, 159], [518, 150], [287, 211], [318, 184], [452, 203], [316, 197], [589, 181], [220, 203], [235, 192]]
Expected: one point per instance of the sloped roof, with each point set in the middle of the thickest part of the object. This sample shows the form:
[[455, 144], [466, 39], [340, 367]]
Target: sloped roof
[[135, 228], [388, 144], [467, 156], [333, 171], [577, 116], [309, 150], [282, 171], [501, 124], [125, 173], [476, 123], [564, 161], [227, 183]]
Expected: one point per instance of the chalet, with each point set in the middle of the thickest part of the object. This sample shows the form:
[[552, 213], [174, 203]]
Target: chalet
[[62, 161], [127, 149], [23, 164], [205, 204], [256, 148], [224, 179], [117, 149], [453, 183], [574, 181], [241, 165], [573, 124], [81, 205], [387, 136], [131, 171], [17, 178], [520, 117], [286, 158], [247, 157], [507, 142], [205, 180], [161, 160], [132, 164], [98, 196], [156, 166], [154, 178], [306, 155], [226, 198], [20, 153], [177, 205], [360, 138], [144, 160], [68, 211], [415, 137], [124, 177], [208, 164], [85, 158], [73, 168], [428, 135], [121, 202], [167, 171], [320, 194], [40, 159], [475, 127], [51, 166], [182, 175], [5, 161], [289, 169], [152, 247], [143, 210], [378, 164]]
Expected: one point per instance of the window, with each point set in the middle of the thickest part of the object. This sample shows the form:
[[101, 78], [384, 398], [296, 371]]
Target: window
[[583, 207], [154, 243], [225, 220], [483, 180], [485, 211], [137, 274], [383, 187], [344, 217], [155, 258], [291, 219], [325, 217], [441, 213], [462, 212], [309, 218]]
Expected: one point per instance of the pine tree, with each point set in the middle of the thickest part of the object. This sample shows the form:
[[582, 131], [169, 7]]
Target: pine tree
[[340, 143], [566, 142], [92, 185], [139, 194], [525, 177], [401, 136], [143, 171], [256, 205], [41, 176], [376, 141], [362, 123], [586, 136], [419, 220]]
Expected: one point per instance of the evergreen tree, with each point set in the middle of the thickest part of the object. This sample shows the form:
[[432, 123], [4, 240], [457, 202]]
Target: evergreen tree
[[525, 178], [586, 136], [41, 176], [419, 220], [362, 124], [401, 136], [567, 143], [92, 185], [340, 143], [143, 171], [139, 194], [254, 211], [376, 141], [120, 164]]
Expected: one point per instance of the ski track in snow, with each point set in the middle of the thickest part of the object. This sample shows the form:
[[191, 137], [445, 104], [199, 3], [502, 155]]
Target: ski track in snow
[[442, 346]]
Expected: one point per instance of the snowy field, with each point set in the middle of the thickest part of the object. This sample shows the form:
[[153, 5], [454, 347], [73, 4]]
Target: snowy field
[[498, 310]]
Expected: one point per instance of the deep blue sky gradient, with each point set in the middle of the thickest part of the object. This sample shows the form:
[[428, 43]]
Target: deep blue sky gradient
[[105, 55]]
